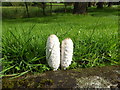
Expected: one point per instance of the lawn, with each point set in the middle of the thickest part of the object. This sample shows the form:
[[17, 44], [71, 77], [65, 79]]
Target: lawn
[[95, 38]]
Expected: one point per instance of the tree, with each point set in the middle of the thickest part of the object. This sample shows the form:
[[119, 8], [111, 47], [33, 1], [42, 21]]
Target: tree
[[80, 8], [51, 8], [89, 4], [110, 4], [6, 4], [100, 5], [26, 5], [43, 6], [22, 4], [67, 4]]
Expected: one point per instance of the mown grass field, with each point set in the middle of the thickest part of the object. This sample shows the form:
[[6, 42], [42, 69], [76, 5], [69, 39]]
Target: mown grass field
[[95, 38]]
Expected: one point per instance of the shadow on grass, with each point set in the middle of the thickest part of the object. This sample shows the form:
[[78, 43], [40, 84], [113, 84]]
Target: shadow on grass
[[42, 19], [107, 11]]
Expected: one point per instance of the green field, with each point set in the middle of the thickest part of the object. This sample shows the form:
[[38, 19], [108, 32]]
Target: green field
[[95, 38]]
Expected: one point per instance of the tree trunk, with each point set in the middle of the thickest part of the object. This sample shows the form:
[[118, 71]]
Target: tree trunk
[[65, 7], [110, 4], [27, 11], [100, 5], [80, 8], [89, 4], [43, 7], [51, 8], [94, 3]]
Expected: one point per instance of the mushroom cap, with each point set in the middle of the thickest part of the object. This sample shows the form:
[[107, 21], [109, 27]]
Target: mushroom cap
[[66, 53], [53, 52]]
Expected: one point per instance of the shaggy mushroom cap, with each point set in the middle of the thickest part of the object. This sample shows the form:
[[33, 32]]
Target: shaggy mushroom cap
[[53, 52], [66, 53]]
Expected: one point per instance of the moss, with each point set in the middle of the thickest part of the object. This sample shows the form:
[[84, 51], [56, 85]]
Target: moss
[[26, 83], [31, 85], [77, 70], [45, 82], [22, 82], [60, 81], [7, 84]]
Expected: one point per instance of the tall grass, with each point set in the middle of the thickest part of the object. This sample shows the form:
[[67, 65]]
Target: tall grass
[[24, 40]]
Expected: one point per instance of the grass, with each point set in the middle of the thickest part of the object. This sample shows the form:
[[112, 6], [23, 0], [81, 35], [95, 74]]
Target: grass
[[95, 39]]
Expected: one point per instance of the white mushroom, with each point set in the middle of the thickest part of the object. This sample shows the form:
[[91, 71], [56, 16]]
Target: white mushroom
[[66, 53], [53, 52]]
